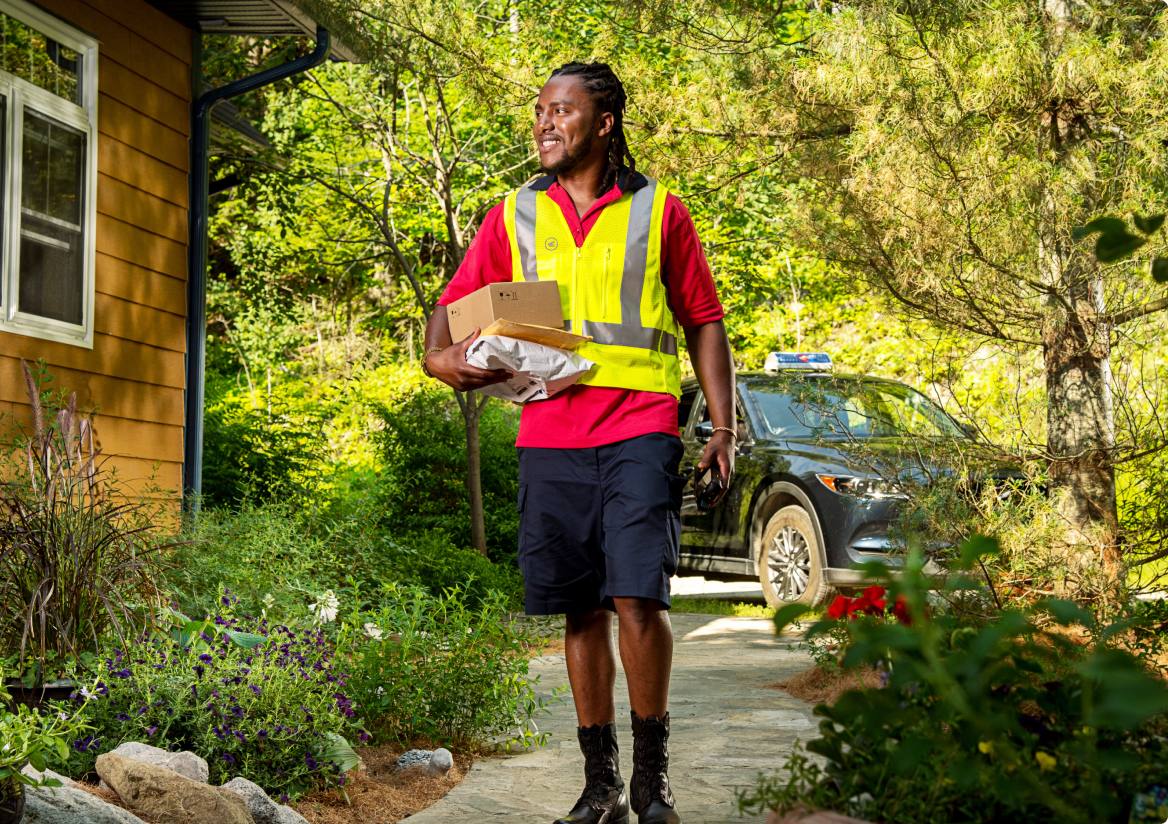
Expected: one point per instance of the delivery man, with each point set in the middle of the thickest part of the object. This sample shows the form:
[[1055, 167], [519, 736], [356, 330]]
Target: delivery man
[[599, 490]]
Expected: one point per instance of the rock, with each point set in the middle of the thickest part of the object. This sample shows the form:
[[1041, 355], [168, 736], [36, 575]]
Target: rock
[[440, 761], [36, 775], [165, 797], [186, 764], [290, 816], [413, 758], [262, 808], [69, 805]]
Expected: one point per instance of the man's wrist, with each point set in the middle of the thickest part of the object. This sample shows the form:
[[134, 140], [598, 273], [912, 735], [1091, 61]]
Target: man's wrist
[[425, 357]]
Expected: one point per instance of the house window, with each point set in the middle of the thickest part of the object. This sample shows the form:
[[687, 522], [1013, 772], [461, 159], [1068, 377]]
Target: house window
[[48, 174]]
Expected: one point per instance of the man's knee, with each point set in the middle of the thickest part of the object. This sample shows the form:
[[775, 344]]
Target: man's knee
[[641, 612], [582, 623]]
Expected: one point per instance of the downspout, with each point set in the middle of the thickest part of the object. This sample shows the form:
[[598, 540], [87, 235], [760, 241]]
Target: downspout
[[197, 252]]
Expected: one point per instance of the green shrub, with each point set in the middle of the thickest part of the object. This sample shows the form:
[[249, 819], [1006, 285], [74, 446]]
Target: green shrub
[[431, 561], [1034, 714], [423, 445], [274, 556], [257, 450], [436, 668], [258, 700]]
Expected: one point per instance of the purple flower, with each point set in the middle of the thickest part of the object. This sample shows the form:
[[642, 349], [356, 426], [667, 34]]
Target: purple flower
[[199, 670], [363, 736], [86, 744], [310, 762], [254, 689], [121, 716], [151, 730], [205, 658]]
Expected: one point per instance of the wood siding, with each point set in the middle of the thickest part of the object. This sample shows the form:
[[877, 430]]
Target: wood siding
[[134, 375]]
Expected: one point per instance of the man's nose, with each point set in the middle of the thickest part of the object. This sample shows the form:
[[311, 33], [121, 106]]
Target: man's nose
[[543, 121]]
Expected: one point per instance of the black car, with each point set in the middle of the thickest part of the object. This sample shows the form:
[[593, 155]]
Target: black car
[[823, 465]]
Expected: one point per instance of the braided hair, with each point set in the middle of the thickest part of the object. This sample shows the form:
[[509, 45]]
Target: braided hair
[[608, 93]]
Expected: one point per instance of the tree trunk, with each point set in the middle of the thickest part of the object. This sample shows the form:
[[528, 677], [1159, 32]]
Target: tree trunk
[[1081, 441], [472, 410]]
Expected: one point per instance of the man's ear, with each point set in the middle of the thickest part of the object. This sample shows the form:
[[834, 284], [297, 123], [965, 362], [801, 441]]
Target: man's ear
[[604, 124]]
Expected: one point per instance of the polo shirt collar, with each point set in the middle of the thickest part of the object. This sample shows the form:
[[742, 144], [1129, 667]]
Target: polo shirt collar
[[626, 182]]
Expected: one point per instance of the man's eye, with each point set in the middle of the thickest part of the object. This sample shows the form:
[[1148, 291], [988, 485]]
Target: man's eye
[[561, 110]]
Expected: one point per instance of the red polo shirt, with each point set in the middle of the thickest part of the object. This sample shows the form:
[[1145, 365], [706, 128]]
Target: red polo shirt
[[586, 416]]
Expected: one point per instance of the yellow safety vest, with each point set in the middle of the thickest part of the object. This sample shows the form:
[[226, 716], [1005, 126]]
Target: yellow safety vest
[[610, 288]]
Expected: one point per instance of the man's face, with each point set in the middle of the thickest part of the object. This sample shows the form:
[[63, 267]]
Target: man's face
[[568, 129]]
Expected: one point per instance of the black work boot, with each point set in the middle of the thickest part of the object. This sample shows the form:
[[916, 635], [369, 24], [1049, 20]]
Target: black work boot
[[603, 800], [651, 797]]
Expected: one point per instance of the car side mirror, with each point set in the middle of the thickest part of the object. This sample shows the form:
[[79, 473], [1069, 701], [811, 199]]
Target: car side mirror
[[704, 431]]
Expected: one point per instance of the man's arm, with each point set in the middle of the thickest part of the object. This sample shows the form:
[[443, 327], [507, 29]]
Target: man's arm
[[714, 364], [446, 360]]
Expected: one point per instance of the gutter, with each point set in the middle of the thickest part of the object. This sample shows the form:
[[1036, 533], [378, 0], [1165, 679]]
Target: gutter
[[197, 250]]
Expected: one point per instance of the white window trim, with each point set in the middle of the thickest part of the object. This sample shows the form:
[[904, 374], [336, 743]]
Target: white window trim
[[83, 117]]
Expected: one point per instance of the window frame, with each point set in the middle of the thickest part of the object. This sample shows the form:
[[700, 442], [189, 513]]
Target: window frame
[[19, 94]]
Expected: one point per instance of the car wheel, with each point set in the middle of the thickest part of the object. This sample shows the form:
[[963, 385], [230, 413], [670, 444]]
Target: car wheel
[[790, 560]]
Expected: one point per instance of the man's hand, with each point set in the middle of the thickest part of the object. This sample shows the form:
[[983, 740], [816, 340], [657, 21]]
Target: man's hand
[[449, 366], [719, 453]]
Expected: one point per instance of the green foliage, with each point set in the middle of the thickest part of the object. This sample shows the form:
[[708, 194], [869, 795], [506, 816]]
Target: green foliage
[[1023, 715], [259, 449], [423, 445], [270, 711], [437, 668], [276, 558], [33, 738]]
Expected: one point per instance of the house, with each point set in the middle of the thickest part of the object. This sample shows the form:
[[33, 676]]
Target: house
[[102, 198]]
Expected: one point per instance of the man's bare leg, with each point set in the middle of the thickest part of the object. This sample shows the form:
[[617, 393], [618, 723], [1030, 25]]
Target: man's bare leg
[[646, 650], [591, 665]]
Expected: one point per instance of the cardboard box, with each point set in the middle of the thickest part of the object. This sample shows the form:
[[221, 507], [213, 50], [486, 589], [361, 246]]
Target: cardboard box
[[536, 303]]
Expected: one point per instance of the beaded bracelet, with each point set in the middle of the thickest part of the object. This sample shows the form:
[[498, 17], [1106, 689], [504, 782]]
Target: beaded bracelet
[[732, 433]]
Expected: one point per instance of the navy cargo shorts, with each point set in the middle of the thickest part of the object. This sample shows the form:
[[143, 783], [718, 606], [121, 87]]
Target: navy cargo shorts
[[599, 522]]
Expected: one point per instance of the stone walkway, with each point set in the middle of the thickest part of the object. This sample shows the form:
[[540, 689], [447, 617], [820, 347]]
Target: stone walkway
[[728, 725]]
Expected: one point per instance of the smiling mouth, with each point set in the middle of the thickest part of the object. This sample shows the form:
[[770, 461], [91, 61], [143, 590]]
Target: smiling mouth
[[548, 142]]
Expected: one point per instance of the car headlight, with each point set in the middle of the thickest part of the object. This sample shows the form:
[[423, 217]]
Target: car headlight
[[862, 487]]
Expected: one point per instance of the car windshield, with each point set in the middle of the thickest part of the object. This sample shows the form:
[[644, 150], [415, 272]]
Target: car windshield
[[835, 408]]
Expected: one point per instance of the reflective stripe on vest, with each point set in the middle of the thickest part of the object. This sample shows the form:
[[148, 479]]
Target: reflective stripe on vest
[[589, 293]]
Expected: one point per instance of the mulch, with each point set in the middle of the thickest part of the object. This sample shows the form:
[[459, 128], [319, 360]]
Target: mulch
[[820, 685]]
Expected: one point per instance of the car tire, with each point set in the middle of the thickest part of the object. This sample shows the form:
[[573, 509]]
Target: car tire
[[791, 561]]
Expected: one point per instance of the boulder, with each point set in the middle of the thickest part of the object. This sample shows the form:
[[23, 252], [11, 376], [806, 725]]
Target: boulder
[[262, 808], [36, 775], [184, 763], [165, 797], [440, 761], [69, 805]]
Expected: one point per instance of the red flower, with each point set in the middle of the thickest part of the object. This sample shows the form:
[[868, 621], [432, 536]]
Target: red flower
[[900, 610], [839, 607], [870, 602]]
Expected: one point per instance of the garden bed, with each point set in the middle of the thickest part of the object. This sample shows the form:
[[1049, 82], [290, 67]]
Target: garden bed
[[377, 794], [381, 794]]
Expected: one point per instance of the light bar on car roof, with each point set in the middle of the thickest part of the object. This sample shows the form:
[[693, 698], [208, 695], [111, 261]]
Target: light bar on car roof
[[818, 361]]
